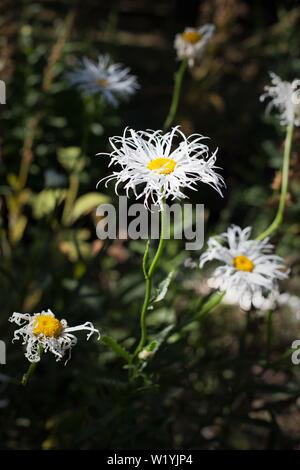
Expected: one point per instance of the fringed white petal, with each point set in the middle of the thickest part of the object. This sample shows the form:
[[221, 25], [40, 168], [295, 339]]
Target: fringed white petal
[[57, 345], [257, 288]]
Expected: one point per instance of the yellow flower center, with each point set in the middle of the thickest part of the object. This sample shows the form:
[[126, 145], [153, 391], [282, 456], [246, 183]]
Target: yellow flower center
[[191, 36], [102, 82], [242, 263], [48, 326], [165, 166]]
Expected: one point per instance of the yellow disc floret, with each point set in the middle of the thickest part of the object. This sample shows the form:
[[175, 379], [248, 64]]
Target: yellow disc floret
[[242, 263], [102, 82], [47, 325], [164, 166], [191, 36]]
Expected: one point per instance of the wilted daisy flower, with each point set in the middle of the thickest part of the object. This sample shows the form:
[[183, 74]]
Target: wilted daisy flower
[[285, 97], [249, 271], [44, 331], [113, 81], [191, 43], [162, 164]]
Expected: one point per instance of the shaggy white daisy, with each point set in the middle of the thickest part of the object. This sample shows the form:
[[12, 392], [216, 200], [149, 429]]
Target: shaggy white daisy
[[162, 164], [285, 97], [249, 273], [113, 81], [44, 331], [192, 42]]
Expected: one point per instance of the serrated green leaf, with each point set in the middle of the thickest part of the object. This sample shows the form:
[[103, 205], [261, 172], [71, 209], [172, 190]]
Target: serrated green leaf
[[119, 350], [163, 288]]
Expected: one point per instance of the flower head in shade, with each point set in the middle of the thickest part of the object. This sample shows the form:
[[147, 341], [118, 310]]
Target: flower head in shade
[[156, 166], [113, 81], [192, 42], [249, 271], [44, 331], [285, 97]]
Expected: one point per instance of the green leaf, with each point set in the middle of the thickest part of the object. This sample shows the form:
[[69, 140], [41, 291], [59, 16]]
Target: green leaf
[[163, 288], [46, 201], [17, 229], [86, 204], [151, 349], [162, 335], [152, 346], [119, 350], [70, 158]]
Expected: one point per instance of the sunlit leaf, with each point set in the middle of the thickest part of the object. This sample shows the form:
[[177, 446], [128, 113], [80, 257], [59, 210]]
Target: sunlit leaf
[[86, 204]]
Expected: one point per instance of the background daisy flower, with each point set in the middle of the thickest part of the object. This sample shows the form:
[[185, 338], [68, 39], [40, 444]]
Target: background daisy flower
[[113, 81], [192, 42], [249, 271], [162, 165], [285, 97], [44, 331]]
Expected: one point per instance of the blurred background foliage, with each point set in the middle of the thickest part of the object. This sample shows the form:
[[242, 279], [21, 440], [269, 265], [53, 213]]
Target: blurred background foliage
[[226, 382]]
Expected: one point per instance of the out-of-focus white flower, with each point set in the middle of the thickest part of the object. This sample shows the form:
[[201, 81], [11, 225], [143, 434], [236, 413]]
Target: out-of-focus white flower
[[43, 331], [249, 273], [192, 42], [285, 96], [163, 164], [113, 81]]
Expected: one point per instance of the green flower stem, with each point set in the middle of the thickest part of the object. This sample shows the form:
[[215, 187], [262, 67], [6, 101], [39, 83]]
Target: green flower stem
[[176, 94], [31, 369], [148, 274], [213, 301], [71, 198], [284, 185], [245, 333], [143, 316], [146, 259]]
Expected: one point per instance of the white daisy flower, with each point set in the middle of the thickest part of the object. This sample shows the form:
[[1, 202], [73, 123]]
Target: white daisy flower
[[113, 81], [192, 42], [249, 272], [44, 331], [162, 164], [285, 96]]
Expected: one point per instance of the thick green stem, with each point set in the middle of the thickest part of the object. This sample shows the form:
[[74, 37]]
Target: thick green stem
[[176, 94], [148, 274], [143, 316], [214, 300], [284, 185], [160, 245]]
